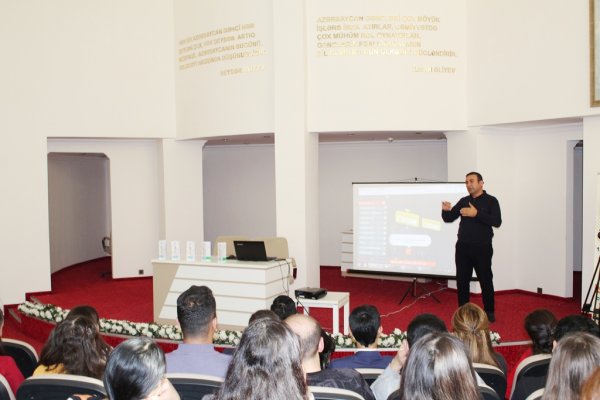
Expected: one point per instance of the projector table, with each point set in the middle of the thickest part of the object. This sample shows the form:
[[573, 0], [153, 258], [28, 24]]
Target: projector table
[[333, 300]]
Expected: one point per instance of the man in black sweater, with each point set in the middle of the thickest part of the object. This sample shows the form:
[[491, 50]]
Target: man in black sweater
[[478, 213]]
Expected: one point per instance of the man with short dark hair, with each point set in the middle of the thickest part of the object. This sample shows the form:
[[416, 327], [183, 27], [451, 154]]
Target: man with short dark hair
[[197, 315], [478, 213], [311, 343], [365, 328]]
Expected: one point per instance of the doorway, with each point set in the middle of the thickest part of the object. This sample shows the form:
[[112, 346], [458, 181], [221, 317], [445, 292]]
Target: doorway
[[78, 207]]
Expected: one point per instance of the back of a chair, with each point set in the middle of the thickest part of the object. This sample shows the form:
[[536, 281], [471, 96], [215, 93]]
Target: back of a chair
[[59, 387], [194, 386], [493, 377], [276, 247], [487, 393], [5, 390], [530, 376], [23, 353], [370, 374], [329, 393], [537, 395], [395, 395]]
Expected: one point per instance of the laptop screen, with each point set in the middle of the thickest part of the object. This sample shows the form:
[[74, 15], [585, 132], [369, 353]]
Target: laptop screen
[[249, 250]]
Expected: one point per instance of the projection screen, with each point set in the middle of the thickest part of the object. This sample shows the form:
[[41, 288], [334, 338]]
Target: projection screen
[[398, 228]]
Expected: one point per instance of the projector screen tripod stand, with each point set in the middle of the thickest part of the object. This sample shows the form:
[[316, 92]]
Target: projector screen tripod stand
[[592, 308], [412, 289]]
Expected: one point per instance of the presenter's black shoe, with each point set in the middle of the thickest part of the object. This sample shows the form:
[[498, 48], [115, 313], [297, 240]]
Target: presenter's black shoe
[[491, 316]]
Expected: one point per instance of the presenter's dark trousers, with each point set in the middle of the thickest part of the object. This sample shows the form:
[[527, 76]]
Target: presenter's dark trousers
[[478, 257]]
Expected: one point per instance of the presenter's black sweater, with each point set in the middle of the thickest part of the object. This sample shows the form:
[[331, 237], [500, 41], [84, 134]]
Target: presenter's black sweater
[[476, 230]]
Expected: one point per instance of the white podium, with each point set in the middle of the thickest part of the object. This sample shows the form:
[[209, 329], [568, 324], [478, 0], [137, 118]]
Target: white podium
[[240, 287]]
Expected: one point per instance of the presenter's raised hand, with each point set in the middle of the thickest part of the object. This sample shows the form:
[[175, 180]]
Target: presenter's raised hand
[[446, 206], [470, 211]]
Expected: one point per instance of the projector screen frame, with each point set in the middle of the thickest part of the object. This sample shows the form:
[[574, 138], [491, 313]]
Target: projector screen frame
[[407, 274]]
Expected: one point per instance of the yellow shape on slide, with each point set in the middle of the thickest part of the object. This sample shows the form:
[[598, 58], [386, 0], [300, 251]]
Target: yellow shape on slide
[[432, 224], [407, 218]]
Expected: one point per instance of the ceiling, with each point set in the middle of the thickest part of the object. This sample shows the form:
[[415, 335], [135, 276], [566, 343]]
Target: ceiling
[[383, 136], [329, 137]]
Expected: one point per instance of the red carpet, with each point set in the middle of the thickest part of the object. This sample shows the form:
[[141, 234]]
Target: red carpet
[[131, 299]]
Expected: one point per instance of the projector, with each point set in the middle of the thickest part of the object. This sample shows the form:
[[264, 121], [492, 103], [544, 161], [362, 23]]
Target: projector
[[310, 293]]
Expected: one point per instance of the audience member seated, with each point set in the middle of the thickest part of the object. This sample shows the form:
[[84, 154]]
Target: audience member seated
[[565, 326], [328, 349], [365, 328], [197, 315], [540, 326], [136, 370], [263, 314], [8, 366], [85, 311], [575, 323], [91, 313], [266, 365], [591, 387], [311, 343], [284, 306], [575, 357], [389, 381], [438, 367], [470, 324], [74, 347]]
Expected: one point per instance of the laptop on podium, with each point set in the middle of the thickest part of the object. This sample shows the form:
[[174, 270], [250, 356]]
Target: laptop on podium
[[250, 250]]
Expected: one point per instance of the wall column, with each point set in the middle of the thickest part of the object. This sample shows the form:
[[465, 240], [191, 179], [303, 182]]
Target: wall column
[[296, 149], [181, 192]]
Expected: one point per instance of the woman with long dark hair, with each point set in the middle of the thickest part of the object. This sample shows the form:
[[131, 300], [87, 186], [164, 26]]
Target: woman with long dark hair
[[438, 368], [136, 370], [74, 347], [540, 325], [266, 365]]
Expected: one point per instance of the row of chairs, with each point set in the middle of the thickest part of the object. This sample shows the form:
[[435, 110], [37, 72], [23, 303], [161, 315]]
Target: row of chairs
[[529, 376], [189, 387]]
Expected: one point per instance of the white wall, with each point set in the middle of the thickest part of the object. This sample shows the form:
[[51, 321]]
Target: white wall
[[389, 84], [239, 191], [181, 199], [135, 198], [526, 169], [72, 69], [79, 207], [239, 185], [541, 198], [91, 69], [342, 164], [228, 96], [24, 214], [528, 60]]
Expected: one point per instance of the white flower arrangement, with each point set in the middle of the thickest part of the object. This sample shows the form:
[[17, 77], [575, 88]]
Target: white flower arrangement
[[55, 314]]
